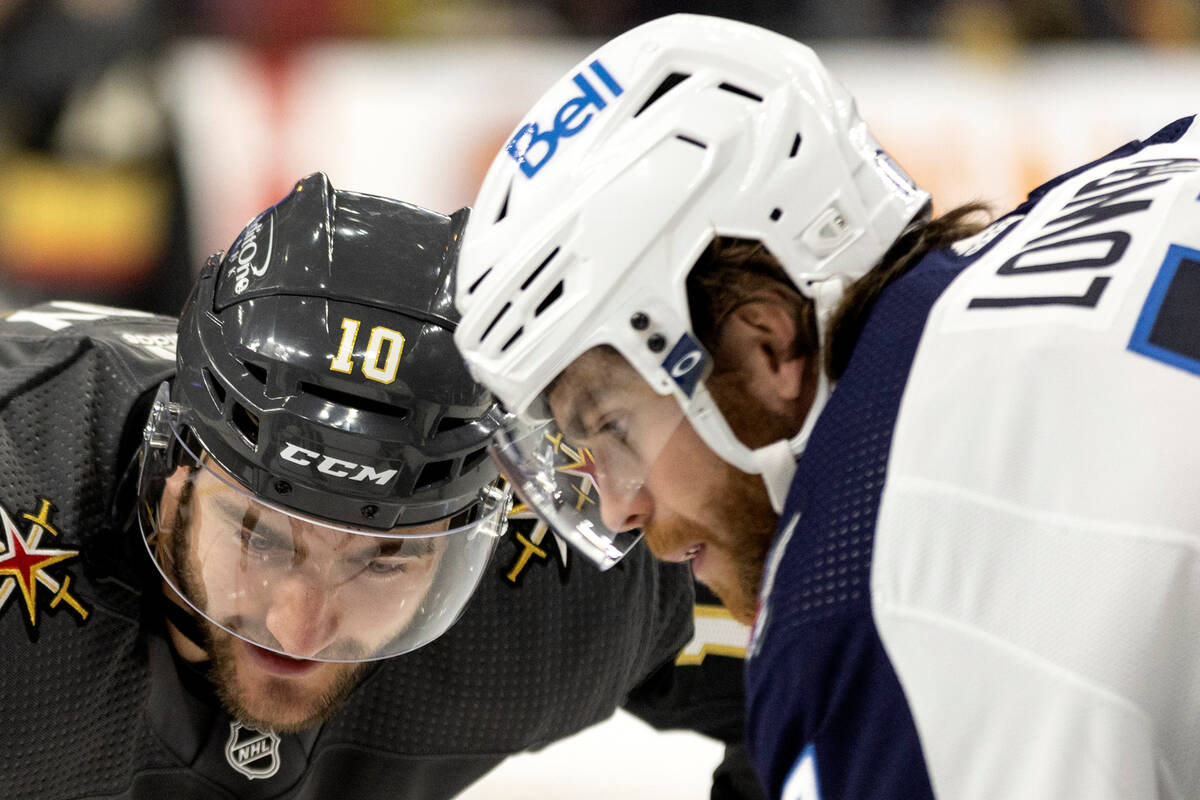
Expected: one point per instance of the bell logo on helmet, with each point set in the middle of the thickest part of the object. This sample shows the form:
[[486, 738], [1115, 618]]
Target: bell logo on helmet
[[337, 467], [245, 251], [568, 121]]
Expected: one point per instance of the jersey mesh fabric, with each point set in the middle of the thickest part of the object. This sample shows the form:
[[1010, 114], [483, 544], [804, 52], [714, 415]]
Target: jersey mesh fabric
[[64, 406], [817, 626]]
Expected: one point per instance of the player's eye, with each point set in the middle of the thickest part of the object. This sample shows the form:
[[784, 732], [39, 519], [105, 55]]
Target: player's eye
[[388, 566], [261, 543]]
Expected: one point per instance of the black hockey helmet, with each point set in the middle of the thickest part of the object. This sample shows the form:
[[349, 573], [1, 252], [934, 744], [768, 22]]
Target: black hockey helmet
[[317, 357], [318, 378]]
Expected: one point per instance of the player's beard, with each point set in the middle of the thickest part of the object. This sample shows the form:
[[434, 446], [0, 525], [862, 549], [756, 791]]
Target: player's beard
[[266, 702], [737, 528], [262, 701], [741, 521]]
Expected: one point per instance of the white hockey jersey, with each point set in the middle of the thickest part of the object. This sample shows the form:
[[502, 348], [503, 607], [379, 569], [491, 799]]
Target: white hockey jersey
[[987, 581]]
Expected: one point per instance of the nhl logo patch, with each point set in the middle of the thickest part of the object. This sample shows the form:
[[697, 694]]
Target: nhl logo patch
[[253, 753]]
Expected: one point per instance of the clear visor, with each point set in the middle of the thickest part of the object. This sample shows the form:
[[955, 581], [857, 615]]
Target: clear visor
[[589, 473], [304, 587]]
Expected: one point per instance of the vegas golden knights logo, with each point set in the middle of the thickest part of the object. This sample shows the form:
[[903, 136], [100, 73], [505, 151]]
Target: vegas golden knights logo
[[536, 541], [253, 753], [32, 575]]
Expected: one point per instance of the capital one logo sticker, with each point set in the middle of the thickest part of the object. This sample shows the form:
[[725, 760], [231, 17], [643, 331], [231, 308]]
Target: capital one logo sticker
[[244, 260], [685, 363], [253, 753], [531, 147]]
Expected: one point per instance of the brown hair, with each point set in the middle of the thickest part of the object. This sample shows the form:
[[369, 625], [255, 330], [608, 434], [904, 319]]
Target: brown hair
[[731, 272]]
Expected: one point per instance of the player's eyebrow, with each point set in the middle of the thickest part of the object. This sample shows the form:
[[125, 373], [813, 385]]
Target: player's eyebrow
[[418, 547], [248, 517], [579, 403]]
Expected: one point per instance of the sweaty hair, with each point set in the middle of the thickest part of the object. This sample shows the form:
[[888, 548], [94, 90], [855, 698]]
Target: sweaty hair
[[731, 272]]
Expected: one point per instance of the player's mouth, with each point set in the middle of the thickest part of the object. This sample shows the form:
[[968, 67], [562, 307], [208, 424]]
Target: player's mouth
[[277, 664], [693, 554]]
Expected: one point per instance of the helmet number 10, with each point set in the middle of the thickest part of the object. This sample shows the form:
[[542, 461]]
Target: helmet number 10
[[381, 358]]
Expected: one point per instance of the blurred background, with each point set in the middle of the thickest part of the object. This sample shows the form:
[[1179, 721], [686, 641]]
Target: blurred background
[[138, 136]]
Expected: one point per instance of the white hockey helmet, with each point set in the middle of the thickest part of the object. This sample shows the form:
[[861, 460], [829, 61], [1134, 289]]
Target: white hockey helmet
[[590, 219]]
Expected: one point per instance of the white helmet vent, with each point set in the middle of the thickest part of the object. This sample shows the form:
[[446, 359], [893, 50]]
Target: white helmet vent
[[729, 87], [533, 275], [471, 289], [668, 83], [690, 140], [549, 299], [503, 212], [795, 150]]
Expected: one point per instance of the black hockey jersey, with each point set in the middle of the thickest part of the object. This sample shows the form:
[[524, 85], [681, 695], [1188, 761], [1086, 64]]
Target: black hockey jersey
[[97, 705]]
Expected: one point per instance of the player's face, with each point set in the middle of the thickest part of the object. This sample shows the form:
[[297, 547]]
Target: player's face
[[295, 587], [691, 504]]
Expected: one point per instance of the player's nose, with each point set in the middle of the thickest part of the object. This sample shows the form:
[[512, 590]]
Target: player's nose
[[623, 505], [303, 616]]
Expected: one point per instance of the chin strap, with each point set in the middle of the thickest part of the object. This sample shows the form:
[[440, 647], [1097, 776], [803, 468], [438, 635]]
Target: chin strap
[[777, 461]]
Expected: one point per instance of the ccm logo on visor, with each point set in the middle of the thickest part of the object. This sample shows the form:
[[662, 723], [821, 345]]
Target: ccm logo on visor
[[337, 467], [569, 120], [685, 363]]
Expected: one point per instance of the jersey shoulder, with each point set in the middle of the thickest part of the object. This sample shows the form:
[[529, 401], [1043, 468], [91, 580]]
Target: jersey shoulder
[[41, 334]]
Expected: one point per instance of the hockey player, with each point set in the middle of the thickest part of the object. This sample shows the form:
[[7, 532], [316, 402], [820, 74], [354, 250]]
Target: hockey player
[[949, 473], [212, 551]]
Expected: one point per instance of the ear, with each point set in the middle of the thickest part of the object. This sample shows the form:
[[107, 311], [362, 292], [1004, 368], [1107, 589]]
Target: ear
[[757, 340]]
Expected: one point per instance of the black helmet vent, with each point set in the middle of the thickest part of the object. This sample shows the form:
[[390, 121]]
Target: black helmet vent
[[433, 473], [450, 423], [256, 371], [473, 460], [215, 389], [356, 402], [246, 423]]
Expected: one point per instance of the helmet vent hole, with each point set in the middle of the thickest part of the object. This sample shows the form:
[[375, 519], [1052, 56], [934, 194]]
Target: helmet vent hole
[[471, 289], [433, 473], [549, 299], [449, 424], [492, 324], [257, 372], [729, 87], [668, 83], [690, 140], [215, 389], [473, 460], [354, 402], [776, 214], [512, 339], [538, 271], [795, 146], [503, 207], [246, 424]]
